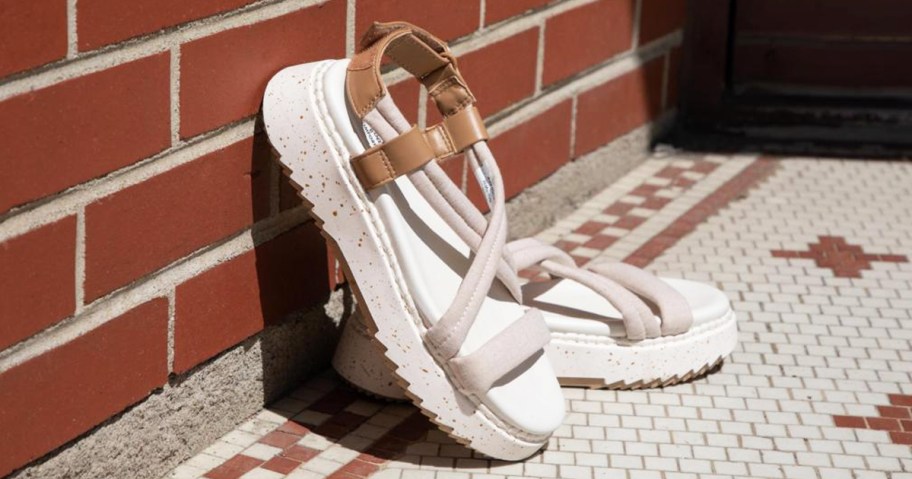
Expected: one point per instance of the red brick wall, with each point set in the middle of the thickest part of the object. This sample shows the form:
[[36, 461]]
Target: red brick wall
[[144, 228]]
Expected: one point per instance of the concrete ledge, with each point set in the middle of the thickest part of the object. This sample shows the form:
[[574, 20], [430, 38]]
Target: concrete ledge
[[193, 410]]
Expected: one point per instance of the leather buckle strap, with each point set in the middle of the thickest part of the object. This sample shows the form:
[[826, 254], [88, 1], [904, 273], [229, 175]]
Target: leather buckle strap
[[411, 150], [417, 51]]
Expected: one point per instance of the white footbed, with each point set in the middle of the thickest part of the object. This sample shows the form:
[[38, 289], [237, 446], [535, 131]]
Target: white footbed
[[433, 260]]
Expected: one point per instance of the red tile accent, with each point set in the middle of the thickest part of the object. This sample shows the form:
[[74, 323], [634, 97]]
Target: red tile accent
[[901, 400], [901, 437], [629, 222], [883, 424], [500, 10], [32, 33], [294, 427], [750, 176], [279, 439], [894, 412], [440, 17], [234, 300], [359, 468], [591, 228], [530, 151], [300, 453], [65, 392], [92, 121], [846, 260], [281, 465], [38, 264], [234, 468], [600, 241], [585, 36], [619, 209], [661, 17], [850, 421], [102, 22], [617, 107], [140, 229], [223, 76]]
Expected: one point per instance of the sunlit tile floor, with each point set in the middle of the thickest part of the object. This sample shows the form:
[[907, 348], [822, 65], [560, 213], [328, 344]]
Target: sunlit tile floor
[[814, 254]]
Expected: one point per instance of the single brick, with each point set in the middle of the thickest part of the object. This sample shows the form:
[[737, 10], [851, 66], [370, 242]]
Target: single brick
[[502, 10], [140, 229], [223, 76], [901, 400], [234, 300], [103, 22], [661, 17], [530, 151], [442, 18], [406, 95], [37, 276], [83, 128], [32, 33], [494, 86], [586, 36], [617, 107], [66, 391]]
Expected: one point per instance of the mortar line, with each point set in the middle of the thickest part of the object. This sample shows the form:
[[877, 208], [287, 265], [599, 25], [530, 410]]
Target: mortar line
[[105, 58], [152, 286], [172, 307], [175, 95], [80, 260], [482, 9], [72, 38], [540, 58], [422, 106], [637, 18], [573, 109], [350, 26]]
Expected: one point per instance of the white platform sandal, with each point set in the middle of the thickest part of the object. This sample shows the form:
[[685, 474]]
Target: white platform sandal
[[464, 348], [612, 325]]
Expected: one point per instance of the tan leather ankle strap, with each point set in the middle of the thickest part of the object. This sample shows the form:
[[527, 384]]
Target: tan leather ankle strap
[[429, 59], [417, 51], [411, 150]]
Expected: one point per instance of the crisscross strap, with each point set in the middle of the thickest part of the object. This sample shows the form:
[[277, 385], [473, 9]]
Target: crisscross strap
[[639, 321], [674, 310], [517, 343], [446, 337]]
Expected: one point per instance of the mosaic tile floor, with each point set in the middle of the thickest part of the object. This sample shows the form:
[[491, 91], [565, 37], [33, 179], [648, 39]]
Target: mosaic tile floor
[[815, 257]]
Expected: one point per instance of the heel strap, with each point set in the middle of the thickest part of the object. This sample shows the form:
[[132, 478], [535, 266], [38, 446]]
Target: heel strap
[[429, 59], [423, 55]]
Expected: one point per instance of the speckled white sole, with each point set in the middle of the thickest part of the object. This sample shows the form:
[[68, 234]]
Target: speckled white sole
[[579, 360], [316, 160]]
